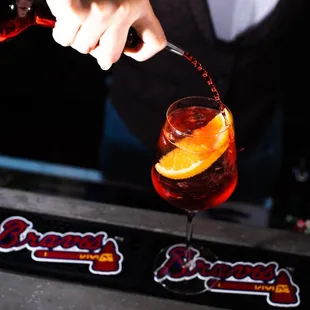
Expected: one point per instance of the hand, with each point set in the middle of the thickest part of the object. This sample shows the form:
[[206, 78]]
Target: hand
[[100, 27]]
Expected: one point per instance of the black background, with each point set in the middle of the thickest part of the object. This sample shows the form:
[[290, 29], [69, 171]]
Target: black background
[[52, 101]]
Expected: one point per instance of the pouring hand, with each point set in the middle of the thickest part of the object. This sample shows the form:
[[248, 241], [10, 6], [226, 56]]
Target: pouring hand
[[100, 27]]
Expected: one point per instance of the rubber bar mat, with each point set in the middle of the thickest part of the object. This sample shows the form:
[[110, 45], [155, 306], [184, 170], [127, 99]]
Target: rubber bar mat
[[123, 258]]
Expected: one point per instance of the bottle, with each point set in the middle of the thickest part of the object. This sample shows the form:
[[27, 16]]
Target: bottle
[[18, 15]]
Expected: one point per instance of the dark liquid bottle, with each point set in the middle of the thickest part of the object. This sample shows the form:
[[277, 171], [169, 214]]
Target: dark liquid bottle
[[18, 15]]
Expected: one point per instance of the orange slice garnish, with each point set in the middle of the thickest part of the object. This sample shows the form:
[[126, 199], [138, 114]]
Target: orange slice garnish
[[196, 153]]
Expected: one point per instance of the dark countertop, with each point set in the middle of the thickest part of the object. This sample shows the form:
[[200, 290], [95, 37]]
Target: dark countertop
[[31, 293]]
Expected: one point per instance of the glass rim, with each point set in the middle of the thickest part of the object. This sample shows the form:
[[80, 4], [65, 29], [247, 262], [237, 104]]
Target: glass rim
[[196, 97]]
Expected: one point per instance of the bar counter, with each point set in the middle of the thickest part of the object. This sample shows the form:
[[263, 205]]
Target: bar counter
[[34, 292]]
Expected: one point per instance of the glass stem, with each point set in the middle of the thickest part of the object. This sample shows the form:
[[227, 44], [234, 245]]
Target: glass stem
[[189, 235]]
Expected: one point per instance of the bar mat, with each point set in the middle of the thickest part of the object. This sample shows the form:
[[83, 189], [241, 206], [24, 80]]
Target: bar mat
[[122, 258]]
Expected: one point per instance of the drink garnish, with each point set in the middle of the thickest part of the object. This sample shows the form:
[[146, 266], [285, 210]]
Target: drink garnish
[[197, 152]]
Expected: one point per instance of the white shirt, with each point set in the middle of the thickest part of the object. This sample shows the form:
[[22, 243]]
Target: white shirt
[[232, 17]]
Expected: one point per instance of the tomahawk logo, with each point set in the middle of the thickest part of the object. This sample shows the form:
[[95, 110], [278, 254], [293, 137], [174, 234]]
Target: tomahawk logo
[[238, 278], [97, 250]]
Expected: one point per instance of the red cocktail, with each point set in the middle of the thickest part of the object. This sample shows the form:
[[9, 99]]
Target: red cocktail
[[195, 167]]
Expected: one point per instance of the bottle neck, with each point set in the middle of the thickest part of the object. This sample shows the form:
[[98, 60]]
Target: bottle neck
[[19, 19], [13, 26], [16, 20], [43, 16]]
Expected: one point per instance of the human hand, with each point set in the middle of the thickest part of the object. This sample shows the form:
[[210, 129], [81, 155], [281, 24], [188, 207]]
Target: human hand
[[100, 27]]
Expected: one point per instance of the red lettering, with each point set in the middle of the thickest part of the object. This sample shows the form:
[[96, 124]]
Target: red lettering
[[49, 241], [14, 234], [11, 232], [222, 270], [263, 273], [32, 239], [91, 243], [96, 242], [176, 257], [68, 241]]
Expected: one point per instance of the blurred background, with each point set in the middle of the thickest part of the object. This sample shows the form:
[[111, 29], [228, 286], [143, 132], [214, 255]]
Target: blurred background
[[50, 132], [44, 117]]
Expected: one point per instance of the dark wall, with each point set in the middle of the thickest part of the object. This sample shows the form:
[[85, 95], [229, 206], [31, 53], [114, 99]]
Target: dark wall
[[294, 183], [51, 100]]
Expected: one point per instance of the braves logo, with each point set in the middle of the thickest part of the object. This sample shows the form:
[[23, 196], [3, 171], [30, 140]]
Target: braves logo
[[97, 250], [237, 278]]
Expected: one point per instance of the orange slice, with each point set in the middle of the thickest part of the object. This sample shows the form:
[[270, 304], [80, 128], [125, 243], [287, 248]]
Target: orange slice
[[196, 153]]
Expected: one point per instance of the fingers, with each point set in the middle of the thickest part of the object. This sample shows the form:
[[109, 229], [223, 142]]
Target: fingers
[[91, 30], [65, 31], [101, 29], [111, 45], [68, 23], [152, 35]]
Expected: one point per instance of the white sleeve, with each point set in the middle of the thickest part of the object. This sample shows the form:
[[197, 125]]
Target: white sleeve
[[232, 17]]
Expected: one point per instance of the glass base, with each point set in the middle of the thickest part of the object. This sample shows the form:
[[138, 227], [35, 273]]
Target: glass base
[[186, 277]]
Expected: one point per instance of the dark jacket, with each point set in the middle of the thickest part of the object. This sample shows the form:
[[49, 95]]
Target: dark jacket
[[247, 72]]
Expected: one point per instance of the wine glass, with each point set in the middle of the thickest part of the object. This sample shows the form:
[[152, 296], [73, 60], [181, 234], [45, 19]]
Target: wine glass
[[195, 169]]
